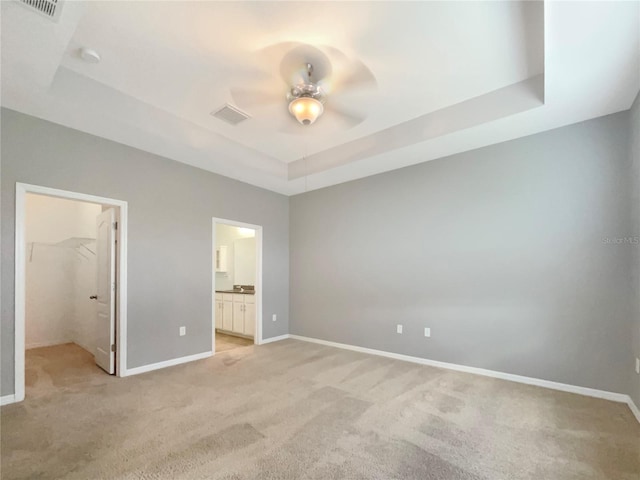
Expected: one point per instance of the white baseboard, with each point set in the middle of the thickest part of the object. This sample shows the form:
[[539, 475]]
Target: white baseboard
[[275, 339], [53, 343], [30, 346], [634, 409], [166, 363], [85, 347], [7, 399], [590, 392]]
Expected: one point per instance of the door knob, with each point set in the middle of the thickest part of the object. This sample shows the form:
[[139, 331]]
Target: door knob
[[93, 297]]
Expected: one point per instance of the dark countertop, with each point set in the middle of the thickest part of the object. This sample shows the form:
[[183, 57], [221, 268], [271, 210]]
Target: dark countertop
[[245, 292]]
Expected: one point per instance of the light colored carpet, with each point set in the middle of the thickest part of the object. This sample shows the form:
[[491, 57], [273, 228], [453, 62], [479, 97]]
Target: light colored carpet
[[294, 410], [226, 342]]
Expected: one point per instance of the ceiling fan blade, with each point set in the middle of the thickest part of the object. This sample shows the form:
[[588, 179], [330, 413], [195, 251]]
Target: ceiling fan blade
[[248, 97], [348, 73], [243, 71], [293, 67], [351, 119], [275, 52], [273, 55], [292, 127], [353, 75]]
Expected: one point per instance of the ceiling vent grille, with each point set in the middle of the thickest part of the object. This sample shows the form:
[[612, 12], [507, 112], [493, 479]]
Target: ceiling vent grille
[[48, 8], [230, 114]]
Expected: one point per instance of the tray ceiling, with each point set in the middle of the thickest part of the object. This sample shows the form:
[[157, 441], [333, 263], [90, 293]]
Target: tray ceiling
[[451, 76]]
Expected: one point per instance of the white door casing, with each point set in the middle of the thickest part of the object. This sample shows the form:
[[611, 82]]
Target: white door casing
[[106, 290]]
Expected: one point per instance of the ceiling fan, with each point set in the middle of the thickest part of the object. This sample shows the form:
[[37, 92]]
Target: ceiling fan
[[313, 82], [306, 100]]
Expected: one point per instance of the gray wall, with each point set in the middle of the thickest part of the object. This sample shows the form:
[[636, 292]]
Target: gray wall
[[501, 251], [170, 230], [634, 150]]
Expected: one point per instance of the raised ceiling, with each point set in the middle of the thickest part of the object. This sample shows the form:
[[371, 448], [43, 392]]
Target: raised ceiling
[[451, 76]]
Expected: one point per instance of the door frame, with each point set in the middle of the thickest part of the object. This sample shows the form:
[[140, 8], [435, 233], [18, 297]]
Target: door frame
[[20, 276], [257, 338]]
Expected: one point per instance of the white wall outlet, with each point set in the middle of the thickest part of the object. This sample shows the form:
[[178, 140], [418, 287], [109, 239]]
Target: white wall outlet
[[399, 329], [638, 366], [427, 332], [274, 317], [183, 331]]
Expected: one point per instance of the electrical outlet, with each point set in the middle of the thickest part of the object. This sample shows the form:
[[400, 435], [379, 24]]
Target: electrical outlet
[[638, 366], [274, 317], [399, 329], [427, 332], [183, 331]]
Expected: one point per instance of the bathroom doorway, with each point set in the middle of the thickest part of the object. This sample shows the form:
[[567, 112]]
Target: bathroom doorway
[[237, 285]]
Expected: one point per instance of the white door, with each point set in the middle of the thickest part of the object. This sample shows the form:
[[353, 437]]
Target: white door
[[106, 291]]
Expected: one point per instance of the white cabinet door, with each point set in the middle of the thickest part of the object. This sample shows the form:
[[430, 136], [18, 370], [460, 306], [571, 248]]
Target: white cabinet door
[[227, 315], [250, 319], [238, 317], [219, 309]]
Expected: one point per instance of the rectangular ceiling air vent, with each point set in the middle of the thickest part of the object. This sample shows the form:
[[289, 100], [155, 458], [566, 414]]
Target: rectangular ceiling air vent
[[48, 8], [230, 114]]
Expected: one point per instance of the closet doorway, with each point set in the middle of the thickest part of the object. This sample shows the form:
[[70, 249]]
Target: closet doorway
[[70, 258]]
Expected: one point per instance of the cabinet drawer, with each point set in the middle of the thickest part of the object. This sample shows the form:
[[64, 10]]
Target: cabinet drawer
[[249, 299], [218, 296], [238, 297], [227, 297]]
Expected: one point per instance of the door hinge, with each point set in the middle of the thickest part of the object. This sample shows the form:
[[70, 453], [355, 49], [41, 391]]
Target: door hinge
[[113, 347], [115, 225]]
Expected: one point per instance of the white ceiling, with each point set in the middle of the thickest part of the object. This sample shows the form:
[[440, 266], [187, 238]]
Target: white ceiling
[[451, 76]]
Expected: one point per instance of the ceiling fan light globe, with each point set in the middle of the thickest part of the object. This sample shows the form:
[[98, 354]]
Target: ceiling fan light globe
[[306, 109]]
